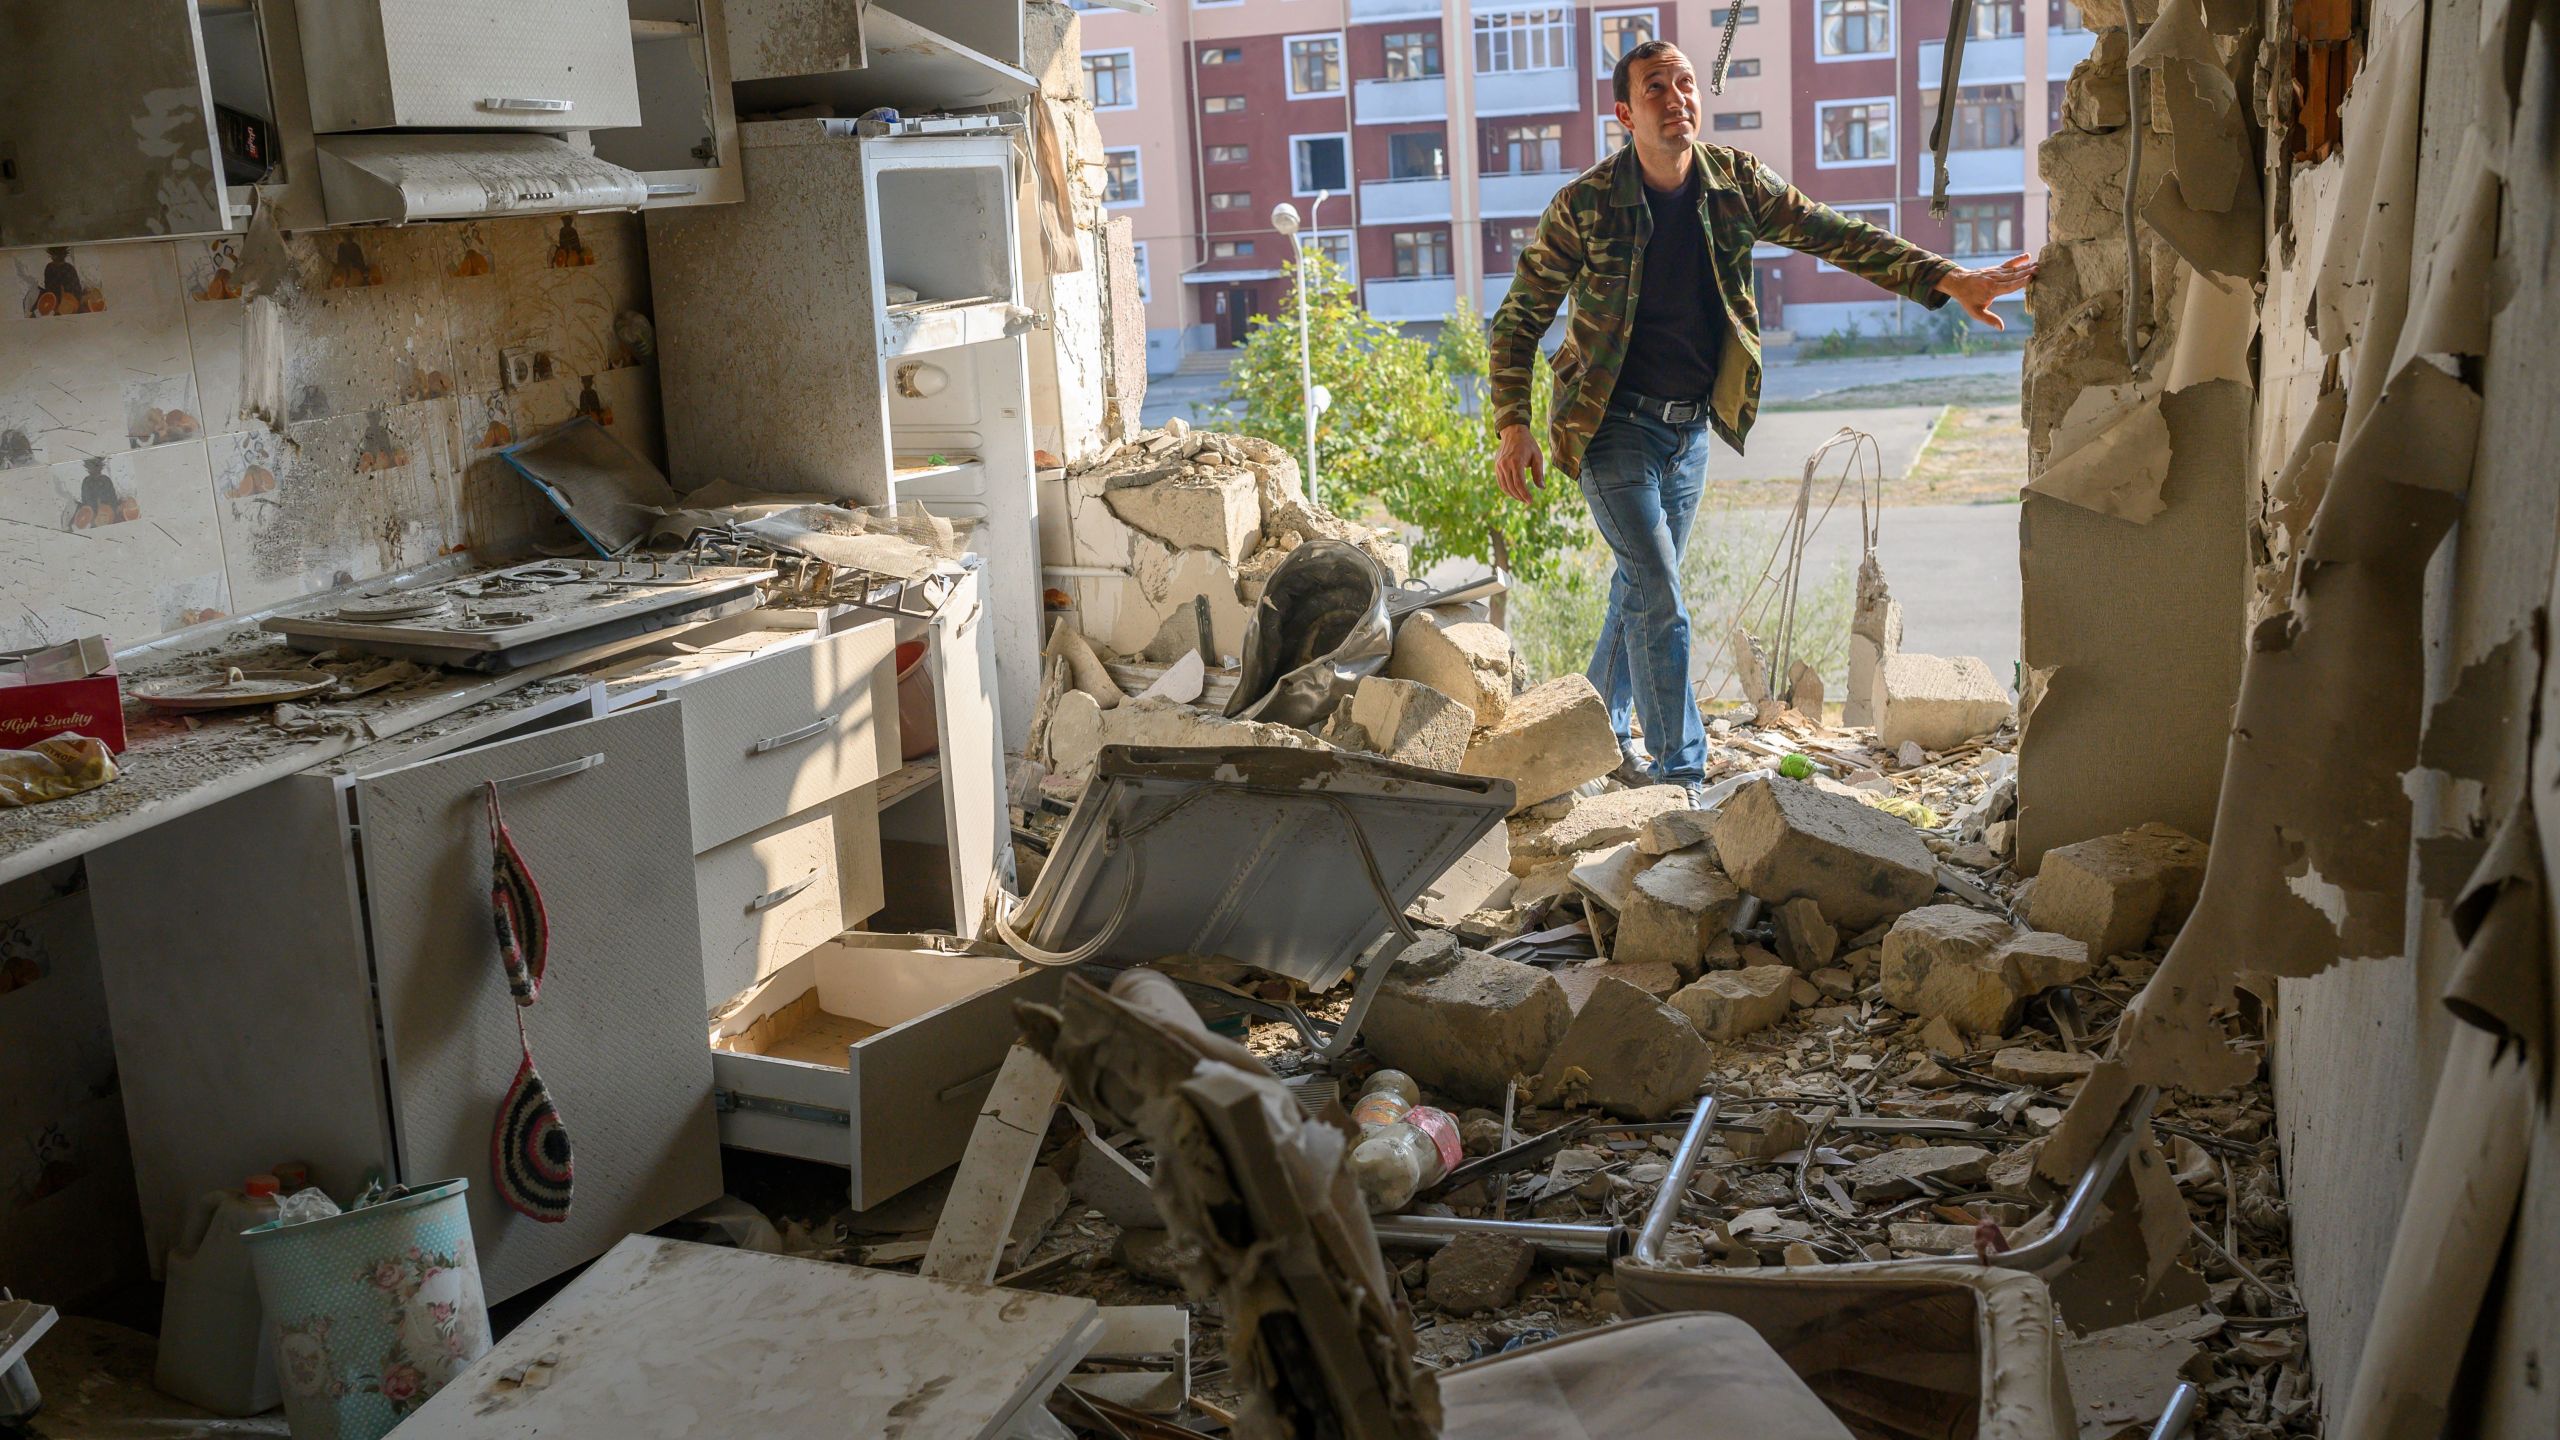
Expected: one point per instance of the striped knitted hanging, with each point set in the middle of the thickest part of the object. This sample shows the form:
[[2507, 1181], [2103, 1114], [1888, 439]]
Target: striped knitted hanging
[[529, 1150], [515, 906]]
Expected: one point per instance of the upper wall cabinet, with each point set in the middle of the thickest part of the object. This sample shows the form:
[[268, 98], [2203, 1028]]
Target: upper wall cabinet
[[468, 64], [106, 123], [917, 56], [774, 38], [686, 144]]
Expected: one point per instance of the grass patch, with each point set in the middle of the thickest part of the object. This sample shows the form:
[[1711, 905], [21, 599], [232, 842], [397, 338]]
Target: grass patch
[[1996, 389]]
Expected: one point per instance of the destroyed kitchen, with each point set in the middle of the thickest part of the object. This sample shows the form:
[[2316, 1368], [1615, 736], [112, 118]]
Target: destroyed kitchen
[[717, 720]]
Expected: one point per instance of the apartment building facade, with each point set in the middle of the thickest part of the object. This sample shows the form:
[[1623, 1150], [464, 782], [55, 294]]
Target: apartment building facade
[[1421, 139]]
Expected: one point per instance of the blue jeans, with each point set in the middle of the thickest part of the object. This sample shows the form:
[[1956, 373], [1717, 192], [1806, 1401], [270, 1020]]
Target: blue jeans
[[1643, 478]]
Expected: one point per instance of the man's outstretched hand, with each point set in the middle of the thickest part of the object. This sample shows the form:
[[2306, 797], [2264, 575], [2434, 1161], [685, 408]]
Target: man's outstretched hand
[[1518, 465], [1976, 289]]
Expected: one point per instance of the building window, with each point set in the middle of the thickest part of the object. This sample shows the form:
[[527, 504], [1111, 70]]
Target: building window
[[2062, 17], [1222, 55], [1880, 216], [1854, 29], [1855, 132], [1739, 120], [1985, 227], [1146, 292], [1997, 19], [1525, 149], [1515, 236], [1315, 65], [1741, 69], [1613, 137], [1223, 105], [1229, 249], [1418, 155], [1320, 162], [1421, 253], [1231, 200], [1229, 154], [1334, 245], [1413, 54], [1120, 177], [1988, 117], [1622, 31], [1523, 40], [1111, 79], [1750, 16]]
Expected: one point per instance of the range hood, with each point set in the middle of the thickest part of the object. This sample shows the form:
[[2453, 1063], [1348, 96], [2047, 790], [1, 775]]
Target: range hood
[[448, 175]]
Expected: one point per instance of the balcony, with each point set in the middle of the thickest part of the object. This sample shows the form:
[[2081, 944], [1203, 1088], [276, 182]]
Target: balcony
[[1513, 197], [2064, 49], [1977, 172], [1422, 297], [1387, 102], [1529, 92], [1986, 62], [1403, 202], [1495, 287], [1364, 11]]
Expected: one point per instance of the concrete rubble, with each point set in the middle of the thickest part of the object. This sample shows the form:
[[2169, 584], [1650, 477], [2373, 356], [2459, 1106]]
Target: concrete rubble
[[1938, 702], [2116, 893], [1782, 840], [1549, 740]]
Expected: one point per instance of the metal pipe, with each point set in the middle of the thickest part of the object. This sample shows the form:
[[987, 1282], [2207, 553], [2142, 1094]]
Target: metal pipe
[[2050, 1253], [1684, 1163], [2181, 1412], [1582, 1244]]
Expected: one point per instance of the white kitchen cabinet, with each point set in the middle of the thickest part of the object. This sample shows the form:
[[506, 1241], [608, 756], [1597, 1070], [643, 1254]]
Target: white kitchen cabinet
[[306, 972], [468, 64], [686, 144], [853, 328], [106, 126]]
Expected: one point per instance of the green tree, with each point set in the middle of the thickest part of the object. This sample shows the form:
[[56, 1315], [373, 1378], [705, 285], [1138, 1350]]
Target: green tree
[[1404, 433]]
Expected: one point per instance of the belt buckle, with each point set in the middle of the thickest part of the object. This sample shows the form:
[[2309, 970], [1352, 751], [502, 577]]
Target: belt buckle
[[1679, 412]]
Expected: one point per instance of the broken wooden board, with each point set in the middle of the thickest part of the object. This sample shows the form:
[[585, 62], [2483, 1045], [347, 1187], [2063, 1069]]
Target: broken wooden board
[[977, 1223], [666, 1338]]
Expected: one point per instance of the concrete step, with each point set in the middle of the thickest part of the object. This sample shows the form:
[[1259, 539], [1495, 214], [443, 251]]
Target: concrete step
[[1205, 362]]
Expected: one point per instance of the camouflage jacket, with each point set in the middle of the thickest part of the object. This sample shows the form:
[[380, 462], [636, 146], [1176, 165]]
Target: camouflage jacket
[[1590, 248]]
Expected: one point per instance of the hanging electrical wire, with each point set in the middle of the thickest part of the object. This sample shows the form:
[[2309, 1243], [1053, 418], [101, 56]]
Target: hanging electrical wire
[[1770, 611]]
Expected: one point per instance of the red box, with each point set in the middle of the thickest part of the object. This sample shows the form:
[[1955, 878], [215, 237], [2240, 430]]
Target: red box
[[68, 687]]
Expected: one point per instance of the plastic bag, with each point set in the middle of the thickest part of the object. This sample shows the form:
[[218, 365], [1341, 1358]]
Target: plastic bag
[[52, 768]]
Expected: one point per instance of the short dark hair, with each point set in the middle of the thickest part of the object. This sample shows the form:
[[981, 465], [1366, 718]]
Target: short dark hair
[[1627, 64]]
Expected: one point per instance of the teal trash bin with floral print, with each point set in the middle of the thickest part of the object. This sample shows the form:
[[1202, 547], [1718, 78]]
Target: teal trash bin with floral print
[[373, 1310]]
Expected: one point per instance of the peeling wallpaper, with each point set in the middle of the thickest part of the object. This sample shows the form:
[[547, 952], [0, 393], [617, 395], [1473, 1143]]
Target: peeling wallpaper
[[135, 501]]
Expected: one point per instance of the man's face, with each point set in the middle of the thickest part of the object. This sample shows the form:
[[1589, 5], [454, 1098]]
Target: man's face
[[1661, 108]]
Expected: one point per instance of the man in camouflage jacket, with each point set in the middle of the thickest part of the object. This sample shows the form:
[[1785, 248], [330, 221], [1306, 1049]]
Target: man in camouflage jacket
[[1653, 247]]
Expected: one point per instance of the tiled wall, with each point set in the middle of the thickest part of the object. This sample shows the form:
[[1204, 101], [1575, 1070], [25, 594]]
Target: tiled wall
[[134, 499]]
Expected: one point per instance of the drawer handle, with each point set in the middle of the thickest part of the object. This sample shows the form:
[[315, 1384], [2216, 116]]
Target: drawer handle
[[949, 1093], [551, 772], [672, 187], [771, 898], [810, 731], [523, 105]]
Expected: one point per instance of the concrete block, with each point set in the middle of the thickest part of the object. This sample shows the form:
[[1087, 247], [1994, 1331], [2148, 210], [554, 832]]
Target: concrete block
[[1194, 507], [1546, 742], [1806, 939], [1942, 962], [1607, 876], [1467, 660], [1898, 1173], [1627, 1053], [2036, 960], [1672, 910], [1730, 1004], [1939, 701], [2044, 1069], [1403, 720], [1782, 840], [2117, 893], [1079, 728], [1676, 830], [1475, 1273], [1616, 818], [1466, 1028]]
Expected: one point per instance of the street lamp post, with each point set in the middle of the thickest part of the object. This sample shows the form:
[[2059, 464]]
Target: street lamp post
[[1284, 218]]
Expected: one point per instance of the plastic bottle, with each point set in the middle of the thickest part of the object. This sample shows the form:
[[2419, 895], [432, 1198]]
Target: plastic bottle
[[1393, 1163], [1384, 1100], [214, 1347]]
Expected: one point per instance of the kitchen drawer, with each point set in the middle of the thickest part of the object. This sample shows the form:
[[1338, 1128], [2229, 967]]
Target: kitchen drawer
[[873, 1051], [469, 64], [770, 897], [789, 730]]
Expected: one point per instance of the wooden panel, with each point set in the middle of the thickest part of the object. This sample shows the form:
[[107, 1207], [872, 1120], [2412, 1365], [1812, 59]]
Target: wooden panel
[[235, 971], [106, 124], [667, 1338], [617, 1033], [787, 731]]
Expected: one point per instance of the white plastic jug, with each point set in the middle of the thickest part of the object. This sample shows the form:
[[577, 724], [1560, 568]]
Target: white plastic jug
[[214, 1347]]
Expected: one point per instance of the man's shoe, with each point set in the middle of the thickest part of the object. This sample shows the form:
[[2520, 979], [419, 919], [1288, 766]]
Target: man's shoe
[[1697, 793], [1632, 772]]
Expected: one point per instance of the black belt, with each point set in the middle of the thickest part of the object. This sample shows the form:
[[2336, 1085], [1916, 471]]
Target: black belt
[[1669, 412]]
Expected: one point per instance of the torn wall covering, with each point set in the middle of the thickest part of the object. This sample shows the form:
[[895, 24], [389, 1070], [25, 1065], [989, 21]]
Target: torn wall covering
[[134, 500]]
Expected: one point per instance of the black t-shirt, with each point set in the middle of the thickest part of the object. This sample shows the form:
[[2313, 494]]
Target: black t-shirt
[[1679, 320]]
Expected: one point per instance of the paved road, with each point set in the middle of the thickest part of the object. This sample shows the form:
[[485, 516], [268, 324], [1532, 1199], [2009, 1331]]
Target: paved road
[[1953, 567]]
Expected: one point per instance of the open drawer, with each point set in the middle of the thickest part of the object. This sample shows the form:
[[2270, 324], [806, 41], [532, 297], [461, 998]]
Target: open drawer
[[871, 1050]]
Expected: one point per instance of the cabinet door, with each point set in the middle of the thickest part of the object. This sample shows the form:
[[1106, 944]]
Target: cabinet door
[[964, 696], [773, 38], [468, 64], [106, 127], [617, 1034], [686, 144]]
